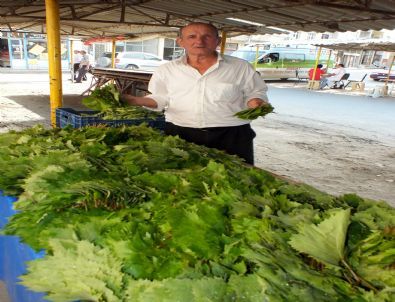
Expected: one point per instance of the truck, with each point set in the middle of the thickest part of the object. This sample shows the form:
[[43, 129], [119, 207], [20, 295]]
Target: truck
[[283, 61]]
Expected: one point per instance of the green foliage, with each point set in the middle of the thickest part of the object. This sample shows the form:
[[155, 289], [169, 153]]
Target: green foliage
[[103, 98], [106, 99], [127, 214], [95, 274], [254, 113], [324, 242]]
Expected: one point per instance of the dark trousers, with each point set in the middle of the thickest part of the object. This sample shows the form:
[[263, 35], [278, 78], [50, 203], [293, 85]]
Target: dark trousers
[[236, 140], [76, 68], [81, 73]]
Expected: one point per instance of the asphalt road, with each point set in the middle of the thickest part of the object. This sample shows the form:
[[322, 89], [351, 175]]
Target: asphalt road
[[354, 114]]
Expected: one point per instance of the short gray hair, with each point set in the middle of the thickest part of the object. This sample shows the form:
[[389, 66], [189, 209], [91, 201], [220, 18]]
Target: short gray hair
[[211, 26]]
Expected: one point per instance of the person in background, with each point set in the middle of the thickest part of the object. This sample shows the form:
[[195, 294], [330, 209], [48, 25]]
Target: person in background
[[318, 73], [84, 66], [201, 91], [76, 63], [330, 78]]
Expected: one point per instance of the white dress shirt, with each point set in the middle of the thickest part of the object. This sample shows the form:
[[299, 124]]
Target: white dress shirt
[[338, 74], [191, 99], [77, 58]]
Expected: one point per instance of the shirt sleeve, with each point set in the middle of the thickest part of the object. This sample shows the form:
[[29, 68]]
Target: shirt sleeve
[[158, 89], [254, 86]]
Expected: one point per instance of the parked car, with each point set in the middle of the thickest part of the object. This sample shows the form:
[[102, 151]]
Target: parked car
[[381, 76], [131, 60]]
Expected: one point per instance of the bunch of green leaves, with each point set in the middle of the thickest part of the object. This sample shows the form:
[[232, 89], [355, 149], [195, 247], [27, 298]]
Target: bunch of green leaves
[[106, 100], [254, 113], [185, 222], [103, 98], [130, 112]]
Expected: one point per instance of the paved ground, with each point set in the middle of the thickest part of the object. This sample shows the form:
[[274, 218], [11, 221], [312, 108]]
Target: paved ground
[[338, 143]]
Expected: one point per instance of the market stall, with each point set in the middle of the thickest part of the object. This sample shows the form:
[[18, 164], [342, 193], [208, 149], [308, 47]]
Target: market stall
[[130, 81]]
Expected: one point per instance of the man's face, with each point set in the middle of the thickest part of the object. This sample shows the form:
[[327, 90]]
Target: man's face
[[198, 39]]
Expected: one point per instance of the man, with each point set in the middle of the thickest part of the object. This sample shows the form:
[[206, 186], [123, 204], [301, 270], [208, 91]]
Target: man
[[201, 91], [76, 63], [84, 66], [318, 73], [331, 78]]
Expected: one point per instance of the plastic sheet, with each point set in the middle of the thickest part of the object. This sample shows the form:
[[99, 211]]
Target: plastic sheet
[[13, 257]]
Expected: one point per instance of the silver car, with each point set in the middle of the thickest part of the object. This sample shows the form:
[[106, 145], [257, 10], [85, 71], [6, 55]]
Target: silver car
[[131, 60]]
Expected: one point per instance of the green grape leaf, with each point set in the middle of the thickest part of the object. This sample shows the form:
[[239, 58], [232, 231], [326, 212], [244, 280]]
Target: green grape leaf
[[325, 241]]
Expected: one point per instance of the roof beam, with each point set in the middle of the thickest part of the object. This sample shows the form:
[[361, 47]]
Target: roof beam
[[361, 6], [147, 15], [123, 8]]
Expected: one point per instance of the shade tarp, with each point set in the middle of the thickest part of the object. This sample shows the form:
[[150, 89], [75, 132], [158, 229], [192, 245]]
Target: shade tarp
[[140, 17]]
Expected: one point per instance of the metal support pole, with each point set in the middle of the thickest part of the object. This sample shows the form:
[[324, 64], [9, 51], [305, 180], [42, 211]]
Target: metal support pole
[[113, 53], [223, 42], [10, 50], [54, 56], [316, 62], [256, 57], [72, 60], [25, 53]]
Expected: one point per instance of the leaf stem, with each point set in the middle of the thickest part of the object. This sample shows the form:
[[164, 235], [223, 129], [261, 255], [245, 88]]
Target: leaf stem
[[357, 278]]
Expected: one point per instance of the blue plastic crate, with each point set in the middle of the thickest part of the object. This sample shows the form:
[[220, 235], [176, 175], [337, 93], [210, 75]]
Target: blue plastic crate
[[82, 118], [13, 258]]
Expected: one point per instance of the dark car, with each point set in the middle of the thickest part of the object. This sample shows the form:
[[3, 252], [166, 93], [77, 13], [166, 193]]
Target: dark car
[[381, 76]]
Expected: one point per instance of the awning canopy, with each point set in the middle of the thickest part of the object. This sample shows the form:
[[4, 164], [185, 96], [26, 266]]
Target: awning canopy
[[138, 17], [378, 46]]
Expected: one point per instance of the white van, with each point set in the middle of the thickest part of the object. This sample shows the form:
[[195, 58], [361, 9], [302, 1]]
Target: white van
[[281, 62]]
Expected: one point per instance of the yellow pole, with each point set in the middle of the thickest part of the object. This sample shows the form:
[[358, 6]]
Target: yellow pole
[[256, 57], [223, 42], [54, 59], [316, 62], [113, 54]]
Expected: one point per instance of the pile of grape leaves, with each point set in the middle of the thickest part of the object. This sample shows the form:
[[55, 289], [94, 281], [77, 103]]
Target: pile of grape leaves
[[128, 214], [107, 102]]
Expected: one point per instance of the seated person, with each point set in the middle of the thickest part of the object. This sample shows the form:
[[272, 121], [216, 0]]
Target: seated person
[[330, 78], [318, 73]]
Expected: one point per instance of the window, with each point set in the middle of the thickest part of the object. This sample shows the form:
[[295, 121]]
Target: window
[[364, 34], [171, 50], [149, 46], [17, 49], [311, 36], [134, 46], [270, 57], [274, 56]]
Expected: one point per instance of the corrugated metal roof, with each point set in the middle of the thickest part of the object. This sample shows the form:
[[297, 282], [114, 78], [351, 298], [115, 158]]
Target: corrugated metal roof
[[137, 17], [378, 46]]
